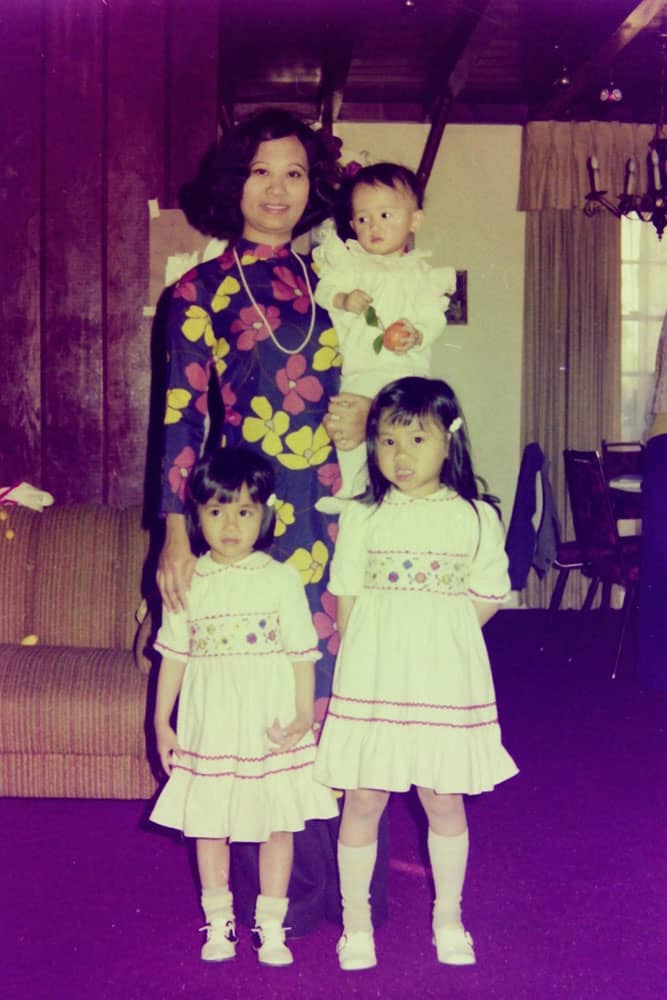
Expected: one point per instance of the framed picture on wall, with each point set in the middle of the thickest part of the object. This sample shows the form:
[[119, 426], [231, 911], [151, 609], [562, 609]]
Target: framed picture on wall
[[457, 312]]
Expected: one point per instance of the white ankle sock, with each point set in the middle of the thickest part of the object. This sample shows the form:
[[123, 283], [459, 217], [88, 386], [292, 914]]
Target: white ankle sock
[[217, 904], [355, 867], [449, 860], [270, 910]]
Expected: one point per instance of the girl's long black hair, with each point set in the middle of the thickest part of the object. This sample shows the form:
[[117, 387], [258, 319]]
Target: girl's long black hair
[[221, 475], [212, 200], [399, 403]]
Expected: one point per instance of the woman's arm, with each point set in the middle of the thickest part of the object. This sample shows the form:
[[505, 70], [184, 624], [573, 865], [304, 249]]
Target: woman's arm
[[346, 420], [176, 564], [168, 688]]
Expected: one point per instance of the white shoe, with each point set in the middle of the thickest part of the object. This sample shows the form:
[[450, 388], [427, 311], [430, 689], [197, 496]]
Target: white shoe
[[356, 951], [454, 945], [220, 944], [271, 948]]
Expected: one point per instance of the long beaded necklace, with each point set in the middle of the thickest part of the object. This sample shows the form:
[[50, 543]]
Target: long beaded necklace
[[262, 317]]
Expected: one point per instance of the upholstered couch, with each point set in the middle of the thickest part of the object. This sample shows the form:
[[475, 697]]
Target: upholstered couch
[[74, 683]]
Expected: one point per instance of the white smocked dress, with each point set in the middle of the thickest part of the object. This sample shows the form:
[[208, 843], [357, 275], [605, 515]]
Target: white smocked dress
[[413, 699], [245, 625]]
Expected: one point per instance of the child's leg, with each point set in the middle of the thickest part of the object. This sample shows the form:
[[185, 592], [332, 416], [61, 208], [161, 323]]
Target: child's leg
[[357, 851], [275, 868], [216, 900], [448, 851]]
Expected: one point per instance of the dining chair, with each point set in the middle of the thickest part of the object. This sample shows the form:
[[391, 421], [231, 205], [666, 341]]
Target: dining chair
[[609, 558], [533, 535], [621, 461]]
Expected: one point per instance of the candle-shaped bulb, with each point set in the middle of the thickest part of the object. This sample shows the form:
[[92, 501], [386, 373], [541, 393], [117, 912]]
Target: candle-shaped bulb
[[655, 160], [631, 176], [595, 173]]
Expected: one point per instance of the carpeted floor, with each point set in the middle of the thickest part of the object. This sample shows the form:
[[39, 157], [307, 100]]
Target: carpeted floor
[[565, 893]]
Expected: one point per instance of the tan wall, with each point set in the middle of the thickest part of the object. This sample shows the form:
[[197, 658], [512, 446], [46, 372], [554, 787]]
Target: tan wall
[[472, 223]]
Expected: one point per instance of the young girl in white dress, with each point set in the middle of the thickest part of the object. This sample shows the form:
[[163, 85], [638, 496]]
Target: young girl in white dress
[[240, 660], [418, 569], [382, 206]]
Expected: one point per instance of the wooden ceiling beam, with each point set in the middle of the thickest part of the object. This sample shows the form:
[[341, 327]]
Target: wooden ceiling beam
[[336, 62], [635, 21], [471, 37]]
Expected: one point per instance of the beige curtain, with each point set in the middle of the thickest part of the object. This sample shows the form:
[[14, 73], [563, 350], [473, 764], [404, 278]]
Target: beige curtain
[[572, 324]]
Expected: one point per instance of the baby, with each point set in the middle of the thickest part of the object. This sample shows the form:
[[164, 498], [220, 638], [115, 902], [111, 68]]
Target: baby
[[385, 300]]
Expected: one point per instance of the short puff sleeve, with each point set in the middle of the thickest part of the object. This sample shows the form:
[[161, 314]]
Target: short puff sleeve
[[172, 640], [489, 579], [348, 566], [296, 623]]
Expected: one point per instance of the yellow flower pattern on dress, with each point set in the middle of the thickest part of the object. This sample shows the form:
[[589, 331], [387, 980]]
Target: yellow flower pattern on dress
[[307, 449], [197, 324], [267, 427], [284, 516], [220, 351], [228, 287], [328, 355], [311, 565], [177, 400]]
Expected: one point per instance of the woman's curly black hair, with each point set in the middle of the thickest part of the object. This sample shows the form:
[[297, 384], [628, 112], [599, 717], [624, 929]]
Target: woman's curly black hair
[[212, 200]]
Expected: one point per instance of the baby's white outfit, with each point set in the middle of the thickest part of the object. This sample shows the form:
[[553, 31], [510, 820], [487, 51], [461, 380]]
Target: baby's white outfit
[[402, 287], [413, 700], [245, 624]]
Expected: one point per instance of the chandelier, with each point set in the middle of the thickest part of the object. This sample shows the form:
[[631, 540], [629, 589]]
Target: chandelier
[[652, 205]]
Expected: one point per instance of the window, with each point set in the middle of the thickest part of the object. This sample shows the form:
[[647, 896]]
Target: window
[[643, 307]]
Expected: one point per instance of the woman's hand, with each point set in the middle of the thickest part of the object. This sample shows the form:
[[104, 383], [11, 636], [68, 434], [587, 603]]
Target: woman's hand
[[176, 564], [346, 420], [167, 747]]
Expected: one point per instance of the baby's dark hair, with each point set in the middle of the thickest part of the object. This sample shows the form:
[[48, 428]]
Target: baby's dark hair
[[391, 175], [403, 400], [221, 475], [212, 201]]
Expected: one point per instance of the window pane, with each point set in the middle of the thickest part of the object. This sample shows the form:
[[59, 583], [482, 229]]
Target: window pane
[[643, 307]]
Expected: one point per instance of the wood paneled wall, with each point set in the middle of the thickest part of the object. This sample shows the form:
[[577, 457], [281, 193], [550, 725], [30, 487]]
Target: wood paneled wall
[[106, 104]]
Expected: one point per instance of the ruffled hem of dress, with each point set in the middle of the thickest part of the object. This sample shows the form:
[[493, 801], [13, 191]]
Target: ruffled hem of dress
[[246, 811], [394, 759]]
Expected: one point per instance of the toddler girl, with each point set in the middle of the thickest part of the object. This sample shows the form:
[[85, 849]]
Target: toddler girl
[[240, 660], [382, 206], [418, 569]]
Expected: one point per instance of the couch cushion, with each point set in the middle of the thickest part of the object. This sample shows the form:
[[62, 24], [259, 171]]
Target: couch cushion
[[73, 576], [71, 702]]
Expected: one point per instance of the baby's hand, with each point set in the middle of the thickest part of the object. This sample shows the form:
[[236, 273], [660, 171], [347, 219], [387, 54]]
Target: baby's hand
[[356, 301], [167, 747]]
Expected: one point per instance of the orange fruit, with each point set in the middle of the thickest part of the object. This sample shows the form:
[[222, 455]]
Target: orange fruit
[[396, 334]]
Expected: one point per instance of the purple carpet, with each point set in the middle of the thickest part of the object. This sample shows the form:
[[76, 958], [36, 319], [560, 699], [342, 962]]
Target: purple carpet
[[566, 889]]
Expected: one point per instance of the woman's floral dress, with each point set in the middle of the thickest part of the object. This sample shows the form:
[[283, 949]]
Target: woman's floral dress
[[274, 402], [269, 400]]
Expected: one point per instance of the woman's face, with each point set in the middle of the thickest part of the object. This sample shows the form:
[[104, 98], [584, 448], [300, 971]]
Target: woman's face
[[276, 192]]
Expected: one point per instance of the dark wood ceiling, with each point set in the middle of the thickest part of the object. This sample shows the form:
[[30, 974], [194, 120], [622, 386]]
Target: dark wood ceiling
[[470, 61]]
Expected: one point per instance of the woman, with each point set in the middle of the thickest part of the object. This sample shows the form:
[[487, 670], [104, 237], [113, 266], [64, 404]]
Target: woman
[[244, 333]]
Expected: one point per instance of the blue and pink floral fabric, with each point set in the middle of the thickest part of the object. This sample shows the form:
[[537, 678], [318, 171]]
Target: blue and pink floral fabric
[[272, 401]]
